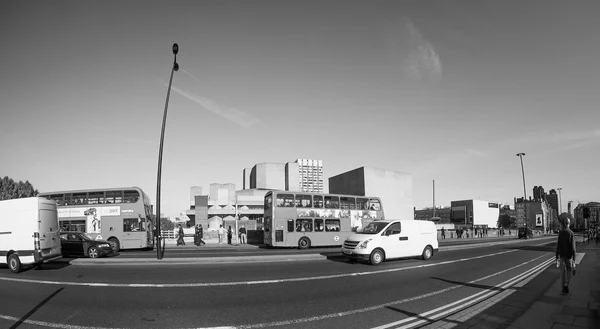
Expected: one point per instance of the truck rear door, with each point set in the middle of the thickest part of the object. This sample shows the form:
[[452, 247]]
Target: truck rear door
[[48, 230]]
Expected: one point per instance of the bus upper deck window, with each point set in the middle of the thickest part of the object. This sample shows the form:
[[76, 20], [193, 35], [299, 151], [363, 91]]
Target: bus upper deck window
[[332, 202], [318, 201], [303, 200], [130, 196]]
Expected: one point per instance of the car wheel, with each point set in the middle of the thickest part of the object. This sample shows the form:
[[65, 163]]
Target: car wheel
[[304, 243], [376, 257], [14, 263], [114, 244], [93, 252], [427, 253]]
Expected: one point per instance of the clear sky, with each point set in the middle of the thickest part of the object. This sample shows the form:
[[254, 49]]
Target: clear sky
[[446, 90]]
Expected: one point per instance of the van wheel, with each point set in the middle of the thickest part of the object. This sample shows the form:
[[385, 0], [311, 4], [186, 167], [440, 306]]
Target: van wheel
[[14, 263], [114, 244], [304, 243], [376, 257], [93, 252], [427, 253]]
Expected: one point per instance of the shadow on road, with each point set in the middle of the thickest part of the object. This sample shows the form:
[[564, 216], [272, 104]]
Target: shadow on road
[[37, 307], [548, 248], [472, 285]]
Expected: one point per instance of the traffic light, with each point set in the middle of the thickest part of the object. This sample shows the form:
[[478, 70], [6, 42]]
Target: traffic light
[[586, 212]]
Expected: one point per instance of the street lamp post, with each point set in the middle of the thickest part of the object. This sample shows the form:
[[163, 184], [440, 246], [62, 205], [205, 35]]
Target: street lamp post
[[520, 155], [175, 67], [559, 199]]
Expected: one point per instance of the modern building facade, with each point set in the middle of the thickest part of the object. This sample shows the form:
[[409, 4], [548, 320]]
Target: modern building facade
[[474, 213], [442, 213], [394, 188], [310, 175]]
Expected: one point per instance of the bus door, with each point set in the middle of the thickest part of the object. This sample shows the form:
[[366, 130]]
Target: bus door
[[133, 233]]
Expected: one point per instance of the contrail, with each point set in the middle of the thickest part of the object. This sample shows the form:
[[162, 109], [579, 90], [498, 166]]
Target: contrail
[[188, 73], [241, 118], [423, 62]]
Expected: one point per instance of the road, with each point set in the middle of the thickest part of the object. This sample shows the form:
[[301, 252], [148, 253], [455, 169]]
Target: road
[[318, 292]]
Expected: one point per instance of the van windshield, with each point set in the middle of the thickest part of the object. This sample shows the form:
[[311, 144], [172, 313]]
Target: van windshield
[[373, 228]]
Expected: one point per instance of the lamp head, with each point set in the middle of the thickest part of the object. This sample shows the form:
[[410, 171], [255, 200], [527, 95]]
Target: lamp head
[[175, 67], [175, 49]]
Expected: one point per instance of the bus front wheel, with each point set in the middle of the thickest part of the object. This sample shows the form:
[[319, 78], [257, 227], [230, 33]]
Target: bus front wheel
[[114, 244], [304, 243]]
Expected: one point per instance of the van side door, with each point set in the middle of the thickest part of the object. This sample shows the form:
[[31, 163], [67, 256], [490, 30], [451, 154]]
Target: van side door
[[392, 241]]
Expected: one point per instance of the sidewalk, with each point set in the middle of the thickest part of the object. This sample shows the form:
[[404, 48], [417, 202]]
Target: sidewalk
[[580, 308]]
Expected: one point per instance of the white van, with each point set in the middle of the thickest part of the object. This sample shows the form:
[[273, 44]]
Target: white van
[[386, 239], [28, 232]]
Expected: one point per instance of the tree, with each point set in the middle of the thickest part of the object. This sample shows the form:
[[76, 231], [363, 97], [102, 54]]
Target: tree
[[11, 190], [505, 221]]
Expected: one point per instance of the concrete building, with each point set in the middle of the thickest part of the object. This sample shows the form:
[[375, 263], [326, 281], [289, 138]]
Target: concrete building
[[223, 205], [310, 174], [393, 187], [474, 213], [280, 176]]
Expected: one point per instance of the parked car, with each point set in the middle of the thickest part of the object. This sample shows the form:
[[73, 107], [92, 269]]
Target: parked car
[[79, 243], [525, 232]]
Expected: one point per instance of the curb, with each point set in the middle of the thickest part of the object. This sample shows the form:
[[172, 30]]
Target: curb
[[197, 260]]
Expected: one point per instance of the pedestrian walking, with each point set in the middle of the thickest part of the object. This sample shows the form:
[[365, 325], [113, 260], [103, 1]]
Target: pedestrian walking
[[220, 233], [565, 254], [242, 235], [443, 233], [180, 234], [229, 235], [199, 235]]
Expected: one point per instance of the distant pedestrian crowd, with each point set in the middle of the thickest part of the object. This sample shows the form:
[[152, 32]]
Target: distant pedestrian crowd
[[461, 232]]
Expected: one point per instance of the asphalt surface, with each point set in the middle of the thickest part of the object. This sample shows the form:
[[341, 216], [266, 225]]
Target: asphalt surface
[[324, 292]]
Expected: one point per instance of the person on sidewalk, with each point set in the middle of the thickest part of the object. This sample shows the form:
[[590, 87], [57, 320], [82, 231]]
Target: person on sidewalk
[[180, 234], [443, 233], [242, 235], [229, 235], [220, 233], [565, 250]]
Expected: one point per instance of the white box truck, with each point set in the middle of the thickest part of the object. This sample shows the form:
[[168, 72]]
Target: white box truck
[[28, 232], [388, 239]]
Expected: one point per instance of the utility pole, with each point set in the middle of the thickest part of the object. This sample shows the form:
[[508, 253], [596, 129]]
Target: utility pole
[[434, 198], [559, 199], [520, 155]]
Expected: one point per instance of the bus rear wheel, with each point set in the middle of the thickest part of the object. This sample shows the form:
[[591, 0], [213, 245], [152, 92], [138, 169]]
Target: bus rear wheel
[[304, 243], [114, 244], [14, 263]]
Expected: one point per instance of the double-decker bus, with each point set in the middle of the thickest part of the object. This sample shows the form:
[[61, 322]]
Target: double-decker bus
[[120, 215], [314, 219]]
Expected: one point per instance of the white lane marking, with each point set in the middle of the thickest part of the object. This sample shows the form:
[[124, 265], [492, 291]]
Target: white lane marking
[[465, 302], [302, 320], [238, 283]]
